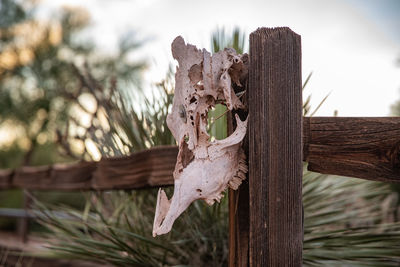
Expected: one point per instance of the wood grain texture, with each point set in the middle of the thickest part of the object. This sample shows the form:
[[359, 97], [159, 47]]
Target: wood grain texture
[[367, 148], [148, 168], [239, 226], [239, 200], [275, 148]]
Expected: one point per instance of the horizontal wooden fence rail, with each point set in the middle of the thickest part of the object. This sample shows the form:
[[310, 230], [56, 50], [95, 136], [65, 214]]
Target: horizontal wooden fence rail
[[33, 214], [147, 168], [366, 148]]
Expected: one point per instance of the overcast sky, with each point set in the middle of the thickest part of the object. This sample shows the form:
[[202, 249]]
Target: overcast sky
[[351, 46]]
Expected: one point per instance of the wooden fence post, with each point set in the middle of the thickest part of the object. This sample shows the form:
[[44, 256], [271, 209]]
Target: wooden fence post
[[275, 148], [239, 203]]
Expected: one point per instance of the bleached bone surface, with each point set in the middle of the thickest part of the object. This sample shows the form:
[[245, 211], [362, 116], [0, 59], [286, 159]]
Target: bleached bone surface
[[204, 169]]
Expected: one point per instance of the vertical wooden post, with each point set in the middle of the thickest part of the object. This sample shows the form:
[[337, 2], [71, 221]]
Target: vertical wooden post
[[275, 148], [239, 226], [239, 203]]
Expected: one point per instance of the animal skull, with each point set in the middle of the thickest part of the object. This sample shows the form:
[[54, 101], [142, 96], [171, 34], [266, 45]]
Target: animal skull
[[204, 169]]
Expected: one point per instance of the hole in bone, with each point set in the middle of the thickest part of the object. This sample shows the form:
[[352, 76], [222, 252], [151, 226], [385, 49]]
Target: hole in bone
[[210, 101], [216, 115], [192, 100], [198, 190], [191, 117]]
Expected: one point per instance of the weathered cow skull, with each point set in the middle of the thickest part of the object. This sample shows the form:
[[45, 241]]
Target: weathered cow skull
[[204, 168]]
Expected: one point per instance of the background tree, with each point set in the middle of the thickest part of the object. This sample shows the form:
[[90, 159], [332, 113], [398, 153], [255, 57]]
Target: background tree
[[40, 64], [46, 97]]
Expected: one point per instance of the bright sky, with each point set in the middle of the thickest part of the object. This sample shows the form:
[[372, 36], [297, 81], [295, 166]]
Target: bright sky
[[351, 46]]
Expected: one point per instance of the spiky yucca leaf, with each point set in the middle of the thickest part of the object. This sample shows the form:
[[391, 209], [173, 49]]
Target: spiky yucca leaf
[[349, 222], [117, 230]]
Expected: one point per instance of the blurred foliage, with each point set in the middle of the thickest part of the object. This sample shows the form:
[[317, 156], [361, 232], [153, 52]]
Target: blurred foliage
[[395, 108], [348, 222], [10, 199], [118, 125], [116, 228], [237, 39], [39, 62], [43, 98], [10, 13]]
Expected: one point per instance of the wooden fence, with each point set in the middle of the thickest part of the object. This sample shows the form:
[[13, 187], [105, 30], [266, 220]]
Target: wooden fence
[[148, 168], [266, 218], [366, 148]]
